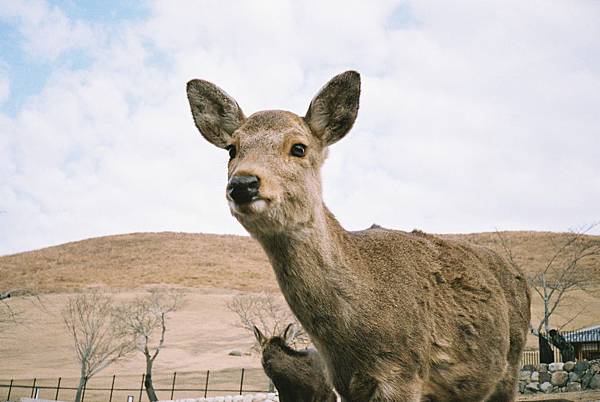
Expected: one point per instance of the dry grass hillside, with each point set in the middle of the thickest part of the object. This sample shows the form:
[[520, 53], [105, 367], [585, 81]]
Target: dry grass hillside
[[131, 260], [237, 263], [212, 269], [202, 260]]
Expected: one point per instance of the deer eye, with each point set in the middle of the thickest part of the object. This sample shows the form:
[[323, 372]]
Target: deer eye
[[298, 150], [232, 151]]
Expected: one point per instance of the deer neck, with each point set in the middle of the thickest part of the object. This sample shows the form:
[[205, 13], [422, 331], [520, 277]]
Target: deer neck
[[312, 269]]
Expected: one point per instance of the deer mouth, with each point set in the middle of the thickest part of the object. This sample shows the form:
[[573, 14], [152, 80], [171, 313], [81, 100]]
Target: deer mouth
[[255, 206]]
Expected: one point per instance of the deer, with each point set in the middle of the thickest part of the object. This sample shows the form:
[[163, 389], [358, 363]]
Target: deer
[[396, 316], [298, 375]]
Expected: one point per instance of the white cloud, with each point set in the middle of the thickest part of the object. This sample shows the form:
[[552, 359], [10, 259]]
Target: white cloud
[[472, 117], [46, 30]]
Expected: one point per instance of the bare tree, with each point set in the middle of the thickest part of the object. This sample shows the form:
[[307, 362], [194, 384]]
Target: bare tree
[[144, 320], [269, 313], [9, 313], [91, 320], [567, 269]]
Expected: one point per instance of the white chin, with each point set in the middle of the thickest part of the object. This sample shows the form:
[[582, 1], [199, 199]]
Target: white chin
[[258, 206], [253, 207]]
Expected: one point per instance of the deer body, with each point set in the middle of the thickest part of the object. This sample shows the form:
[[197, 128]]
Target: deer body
[[298, 375], [396, 316]]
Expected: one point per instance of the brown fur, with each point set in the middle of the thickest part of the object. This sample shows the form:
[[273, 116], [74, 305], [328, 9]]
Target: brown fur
[[298, 375], [396, 316]]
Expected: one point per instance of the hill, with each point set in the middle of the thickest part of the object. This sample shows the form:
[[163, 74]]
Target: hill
[[203, 260], [137, 259], [212, 269]]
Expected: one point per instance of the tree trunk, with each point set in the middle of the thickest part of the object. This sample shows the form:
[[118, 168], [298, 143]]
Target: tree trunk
[[82, 381], [546, 302], [148, 381]]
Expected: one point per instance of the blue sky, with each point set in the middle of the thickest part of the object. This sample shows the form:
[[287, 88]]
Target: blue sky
[[473, 117], [28, 74]]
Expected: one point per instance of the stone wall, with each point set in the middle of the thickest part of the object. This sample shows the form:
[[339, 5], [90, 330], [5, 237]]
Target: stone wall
[[261, 397], [559, 377]]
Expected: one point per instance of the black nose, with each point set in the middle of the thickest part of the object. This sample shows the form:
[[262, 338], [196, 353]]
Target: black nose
[[243, 189]]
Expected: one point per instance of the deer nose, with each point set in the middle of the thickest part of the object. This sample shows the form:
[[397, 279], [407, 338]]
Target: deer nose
[[243, 189]]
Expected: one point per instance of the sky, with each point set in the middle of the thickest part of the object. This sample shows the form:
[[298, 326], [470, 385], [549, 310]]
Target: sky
[[475, 116]]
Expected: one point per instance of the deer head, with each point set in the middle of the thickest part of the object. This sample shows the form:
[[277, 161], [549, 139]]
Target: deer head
[[274, 182]]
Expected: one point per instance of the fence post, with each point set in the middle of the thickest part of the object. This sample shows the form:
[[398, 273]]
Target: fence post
[[206, 384], [142, 387], [173, 385], [57, 389], [33, 387], [242, 382], [112, 387], [84, 387], [9, 389]]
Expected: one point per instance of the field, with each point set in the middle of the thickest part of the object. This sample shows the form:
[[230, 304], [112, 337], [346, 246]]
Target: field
[[211, 269]]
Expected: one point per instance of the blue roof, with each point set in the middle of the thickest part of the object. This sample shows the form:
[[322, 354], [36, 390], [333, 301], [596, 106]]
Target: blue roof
[[590, 334]]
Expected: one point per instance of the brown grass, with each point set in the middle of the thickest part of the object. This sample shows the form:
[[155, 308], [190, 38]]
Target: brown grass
[[197, 260], [132, 260]]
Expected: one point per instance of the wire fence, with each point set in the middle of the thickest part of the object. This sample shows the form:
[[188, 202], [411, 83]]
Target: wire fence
[[181, 385]]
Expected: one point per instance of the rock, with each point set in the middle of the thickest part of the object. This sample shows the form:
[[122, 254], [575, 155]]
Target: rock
[[559, 378], [535, 376], [235, 353], [569, 366], [546, 387], [581, 367], [545, 377], [595, 367], [542, 368], [524, 375], [595, 382], [574, 387], [557, 366], [522, 385], [586, 379], [528, 367], [533, 386], [574, 377]]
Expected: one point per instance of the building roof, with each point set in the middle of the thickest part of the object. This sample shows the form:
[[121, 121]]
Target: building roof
[[589, 334]]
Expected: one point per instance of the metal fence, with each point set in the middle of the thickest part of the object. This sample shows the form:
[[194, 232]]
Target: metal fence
[[180, 386]]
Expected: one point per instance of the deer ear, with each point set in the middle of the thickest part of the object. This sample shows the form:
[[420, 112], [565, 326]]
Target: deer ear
[[216, 114], [288, 334], [332, 112], [259, 336]]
